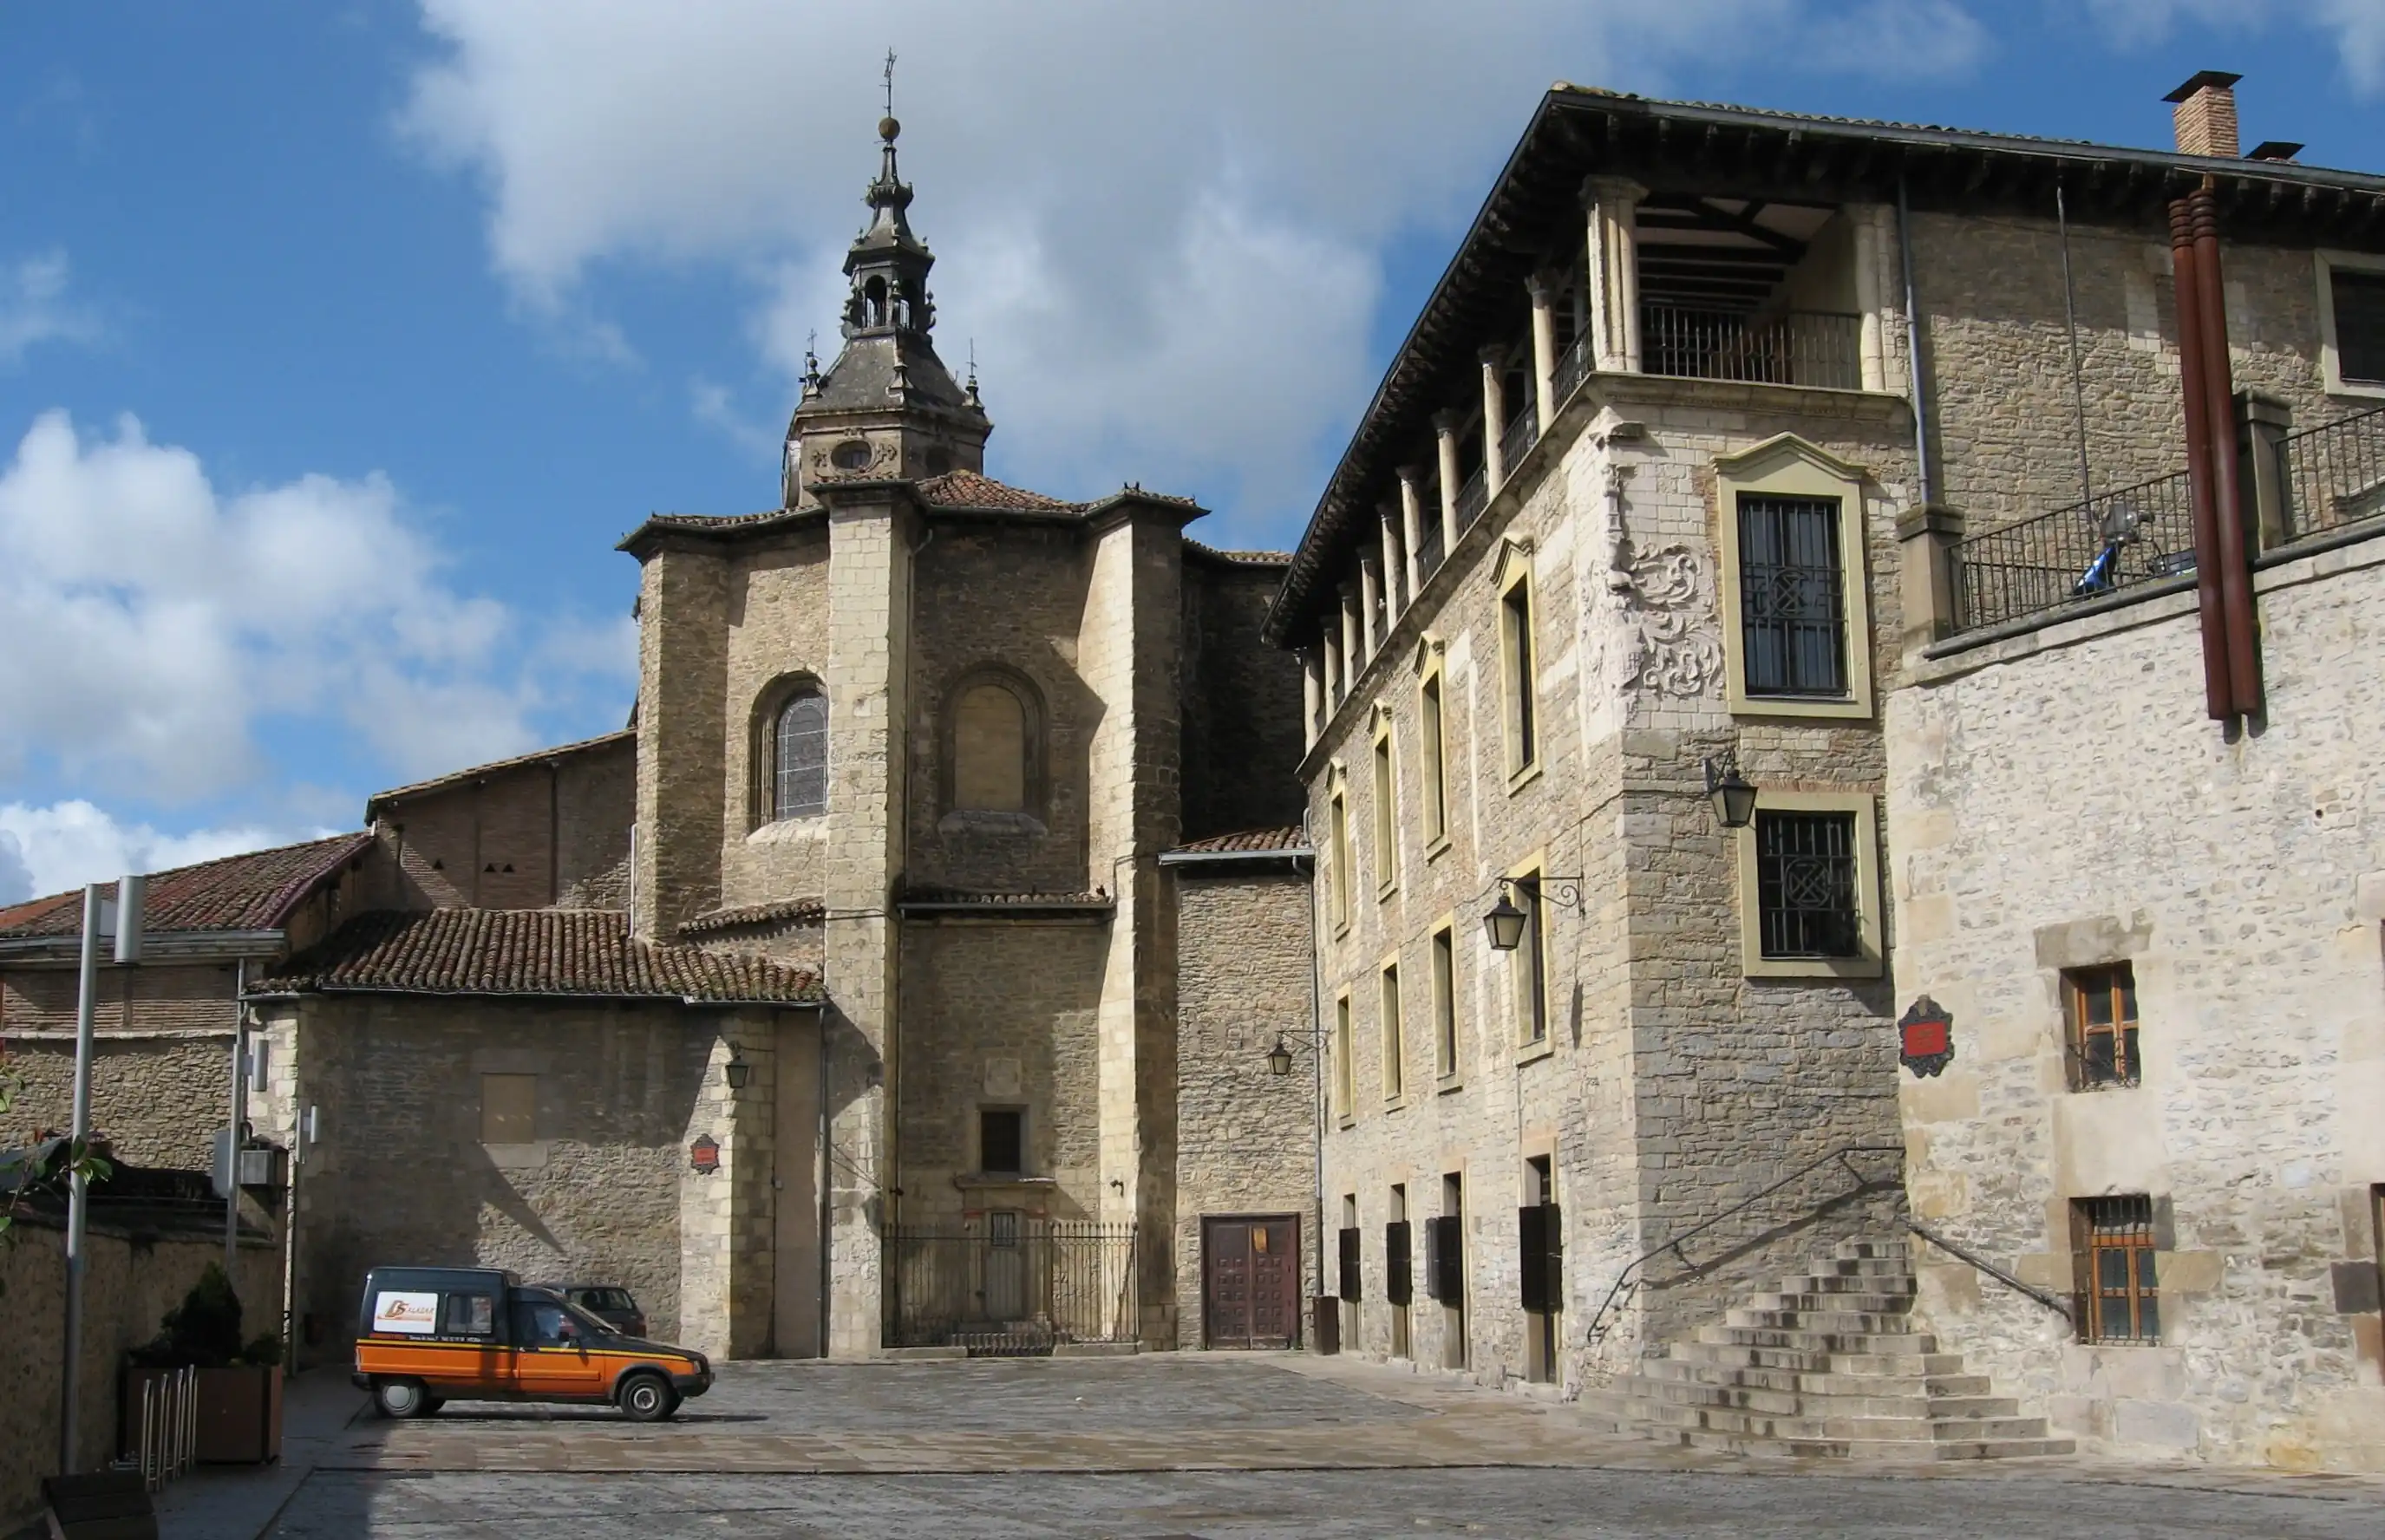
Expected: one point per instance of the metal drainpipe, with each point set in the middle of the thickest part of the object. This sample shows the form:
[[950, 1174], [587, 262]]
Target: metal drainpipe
[[1928, 472], [827, 1163], [1317, 1067], [2220, 413], [2218, 693]]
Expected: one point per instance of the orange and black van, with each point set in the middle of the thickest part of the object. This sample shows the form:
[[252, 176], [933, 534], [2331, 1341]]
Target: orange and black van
[[426, 1336]]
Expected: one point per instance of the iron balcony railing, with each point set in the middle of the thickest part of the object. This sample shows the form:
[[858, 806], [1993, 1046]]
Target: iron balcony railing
[[1472, 495], [2111, 541], [1572, 366], [2334, 474], [1521, 435], [1428, 550], [1004, 1284], [1796, 347]]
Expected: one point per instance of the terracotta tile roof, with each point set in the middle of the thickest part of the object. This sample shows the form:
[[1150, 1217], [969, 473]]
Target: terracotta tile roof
[[1247, 840], [569, 954], [1240, 558], [925, 895], [786, 911], [965, 489], [254, 891], [379, 800]]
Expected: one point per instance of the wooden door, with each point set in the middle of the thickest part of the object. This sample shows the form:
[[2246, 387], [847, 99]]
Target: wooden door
[[1250, 1280]]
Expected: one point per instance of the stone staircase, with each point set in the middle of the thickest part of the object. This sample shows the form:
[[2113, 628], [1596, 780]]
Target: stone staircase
[[1828, 1367]]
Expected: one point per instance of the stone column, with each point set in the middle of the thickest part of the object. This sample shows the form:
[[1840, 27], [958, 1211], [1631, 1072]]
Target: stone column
[[1871, 292], [1370, 601], [1337, 669], [871, 539], [1613, 205], [1544, 347], [1412, 523], [1444, 428], [1312, 694], [1930, 583], [1353, 659], [1494, 420], [1396, 599]]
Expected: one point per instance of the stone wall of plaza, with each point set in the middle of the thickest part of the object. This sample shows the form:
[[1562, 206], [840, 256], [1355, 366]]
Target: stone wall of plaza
[[1000, 1013], [603, 1188], [1664, 1065], [2007, 425], [1245, 981], [161, 1074], [2059, 800]]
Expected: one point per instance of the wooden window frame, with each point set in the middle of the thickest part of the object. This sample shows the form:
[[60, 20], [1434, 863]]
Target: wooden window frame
[[2325, 263], [1392, 1028], [1527, 965], [1345, 1069], [1448, 1056], [2115, 984], [1433, 751], [1345, 876], [1788, 466], [2116, 1235], [1519, 703], [1385, 824], [1868, 962]]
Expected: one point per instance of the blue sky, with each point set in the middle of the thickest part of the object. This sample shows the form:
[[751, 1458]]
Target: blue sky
[[338, 344]]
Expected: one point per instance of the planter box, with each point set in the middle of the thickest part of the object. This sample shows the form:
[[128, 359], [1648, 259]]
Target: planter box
[[239, 1413]]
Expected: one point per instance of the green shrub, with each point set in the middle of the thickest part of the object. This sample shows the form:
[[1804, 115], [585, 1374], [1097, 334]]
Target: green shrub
[[203, 1332]]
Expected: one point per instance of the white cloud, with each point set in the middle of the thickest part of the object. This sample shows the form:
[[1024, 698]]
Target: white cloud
[[34, 306], [1161, 225], [2357, 27], [153, 622], [60, 846]]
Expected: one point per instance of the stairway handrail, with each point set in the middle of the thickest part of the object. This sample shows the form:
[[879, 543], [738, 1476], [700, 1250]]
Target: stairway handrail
[[1842, 1154], [2054, 1302]]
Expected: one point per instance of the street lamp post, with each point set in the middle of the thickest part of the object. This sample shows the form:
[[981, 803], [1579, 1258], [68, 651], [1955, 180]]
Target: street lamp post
[[97, 920]]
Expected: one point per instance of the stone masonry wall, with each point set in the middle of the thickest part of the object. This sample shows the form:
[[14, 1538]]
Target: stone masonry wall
[[777, 626], [161, 1072], [1241, 705], [2058, 800], [1245, 1144], [553, 833]]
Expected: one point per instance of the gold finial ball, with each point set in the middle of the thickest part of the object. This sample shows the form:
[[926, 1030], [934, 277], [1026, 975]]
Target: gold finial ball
[[887, 128]]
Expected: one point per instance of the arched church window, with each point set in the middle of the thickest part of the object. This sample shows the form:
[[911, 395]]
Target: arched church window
[[990, 750], [800, 756], [873, 295]]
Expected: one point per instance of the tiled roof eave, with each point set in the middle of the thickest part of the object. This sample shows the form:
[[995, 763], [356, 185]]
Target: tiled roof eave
[[775, 1002]]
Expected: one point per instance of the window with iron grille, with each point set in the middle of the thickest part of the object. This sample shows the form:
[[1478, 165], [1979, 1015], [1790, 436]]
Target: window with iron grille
[[2359, 324], [1792, 604], [1805, 885], [801, 749], [2117, 1300], [2103, 1007]]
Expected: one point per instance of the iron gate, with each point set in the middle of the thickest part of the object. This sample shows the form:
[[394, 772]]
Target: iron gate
[[1006, 1284]]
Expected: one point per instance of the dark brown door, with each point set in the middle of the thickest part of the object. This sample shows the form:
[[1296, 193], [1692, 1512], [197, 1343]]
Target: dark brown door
[[1250, 1282]]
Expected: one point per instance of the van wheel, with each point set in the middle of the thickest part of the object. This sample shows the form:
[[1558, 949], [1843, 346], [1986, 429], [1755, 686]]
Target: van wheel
[[402, 1398], [647, 1398]]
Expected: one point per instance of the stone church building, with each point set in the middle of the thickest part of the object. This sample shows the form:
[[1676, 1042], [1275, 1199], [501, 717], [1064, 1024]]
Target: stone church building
[[903, 977]]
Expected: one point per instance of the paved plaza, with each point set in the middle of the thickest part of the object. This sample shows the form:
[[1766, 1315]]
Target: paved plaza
[[1168, 1446]]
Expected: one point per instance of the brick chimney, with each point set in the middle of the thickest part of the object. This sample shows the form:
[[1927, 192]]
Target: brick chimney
[[2205, 115]]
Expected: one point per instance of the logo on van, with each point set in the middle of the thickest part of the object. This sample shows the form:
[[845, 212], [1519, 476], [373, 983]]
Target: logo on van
[[414, 1314]]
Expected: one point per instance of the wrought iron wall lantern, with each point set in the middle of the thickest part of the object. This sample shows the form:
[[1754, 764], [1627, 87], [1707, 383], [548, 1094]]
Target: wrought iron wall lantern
[[1278, 1058], [737, 1070], [1503, 921], [1732, 794]]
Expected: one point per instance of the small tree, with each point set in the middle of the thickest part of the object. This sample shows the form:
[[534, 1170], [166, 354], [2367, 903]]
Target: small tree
[[204, 1331]]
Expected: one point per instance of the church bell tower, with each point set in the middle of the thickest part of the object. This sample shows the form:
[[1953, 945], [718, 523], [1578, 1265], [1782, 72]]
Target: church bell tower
[[887, 409]]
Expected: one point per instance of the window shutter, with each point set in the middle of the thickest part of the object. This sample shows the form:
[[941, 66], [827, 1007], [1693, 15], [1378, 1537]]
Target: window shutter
[[1399, 1249], [1531, 1256], [1552, 1255], [1349, 1265], [1448, 1245]]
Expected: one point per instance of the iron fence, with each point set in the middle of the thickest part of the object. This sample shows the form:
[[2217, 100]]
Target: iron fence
[[1797, 347], [1521, 435], [1472, 493], [1008, 1285], [1428, 550], [2109, 542], [2334, 474], [1572, 365]]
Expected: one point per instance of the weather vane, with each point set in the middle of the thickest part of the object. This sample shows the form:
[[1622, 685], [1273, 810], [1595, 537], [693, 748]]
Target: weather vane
[[890, 82]]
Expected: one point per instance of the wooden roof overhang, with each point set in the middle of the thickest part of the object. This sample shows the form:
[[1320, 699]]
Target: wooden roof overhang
[[1695, 150]]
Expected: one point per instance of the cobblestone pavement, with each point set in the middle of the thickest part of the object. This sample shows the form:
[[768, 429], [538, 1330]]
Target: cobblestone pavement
[[1164, 1448]]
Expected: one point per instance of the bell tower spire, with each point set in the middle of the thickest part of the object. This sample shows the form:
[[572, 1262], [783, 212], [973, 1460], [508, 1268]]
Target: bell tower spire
[[888, 408]]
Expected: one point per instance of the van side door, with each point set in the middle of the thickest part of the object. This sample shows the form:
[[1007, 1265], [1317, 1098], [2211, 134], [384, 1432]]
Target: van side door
[[551, 1353]]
